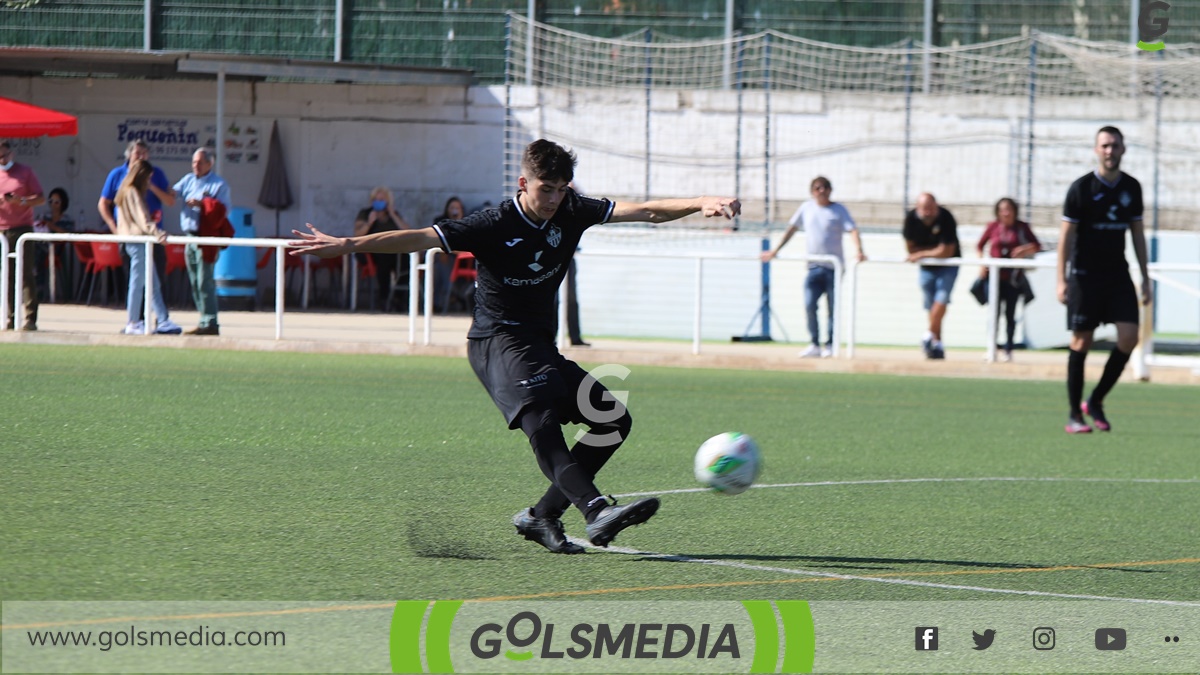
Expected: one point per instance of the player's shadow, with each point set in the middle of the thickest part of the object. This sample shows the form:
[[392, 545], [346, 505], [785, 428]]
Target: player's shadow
[[877, 564]]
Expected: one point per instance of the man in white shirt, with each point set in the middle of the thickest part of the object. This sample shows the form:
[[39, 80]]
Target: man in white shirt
[[824, 223]]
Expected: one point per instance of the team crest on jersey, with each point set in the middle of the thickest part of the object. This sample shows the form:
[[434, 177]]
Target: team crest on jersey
[[1125, 199], [553, 236]]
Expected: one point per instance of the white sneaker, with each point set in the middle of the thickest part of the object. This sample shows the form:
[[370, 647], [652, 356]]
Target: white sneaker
[[134, 328], [1006, 356], [168, 327], [812, 352], [826, 352]]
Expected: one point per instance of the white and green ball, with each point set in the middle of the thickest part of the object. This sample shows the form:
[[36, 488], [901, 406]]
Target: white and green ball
[[728, 463]]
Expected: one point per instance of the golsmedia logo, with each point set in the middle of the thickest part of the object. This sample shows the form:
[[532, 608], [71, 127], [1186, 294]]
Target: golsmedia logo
[[1152, 25], [593, 636], [600, 640]]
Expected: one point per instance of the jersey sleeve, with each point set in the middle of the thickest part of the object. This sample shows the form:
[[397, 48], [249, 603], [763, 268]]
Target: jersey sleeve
[[591, 211], [467, 234], [1136, 208], [1072, 205]]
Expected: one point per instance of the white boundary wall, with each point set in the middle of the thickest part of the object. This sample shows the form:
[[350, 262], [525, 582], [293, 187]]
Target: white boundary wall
[[428, 143]]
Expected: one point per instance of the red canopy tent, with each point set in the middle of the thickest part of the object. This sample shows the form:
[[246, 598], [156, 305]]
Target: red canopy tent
[[23, 120]]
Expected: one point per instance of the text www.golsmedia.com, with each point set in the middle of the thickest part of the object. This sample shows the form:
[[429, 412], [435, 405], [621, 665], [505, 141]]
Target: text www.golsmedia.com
[[133, 637]]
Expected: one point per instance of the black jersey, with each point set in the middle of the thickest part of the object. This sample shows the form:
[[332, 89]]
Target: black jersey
[[521, 263], [944, 230], [1102, 213]]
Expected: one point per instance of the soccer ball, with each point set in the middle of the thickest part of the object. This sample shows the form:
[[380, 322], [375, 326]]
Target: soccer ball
[[728, 463]]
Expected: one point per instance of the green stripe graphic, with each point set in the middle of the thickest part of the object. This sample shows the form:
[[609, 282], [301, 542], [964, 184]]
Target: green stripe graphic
[[766, 635], [799, 635], [437, 635], [405, 640]]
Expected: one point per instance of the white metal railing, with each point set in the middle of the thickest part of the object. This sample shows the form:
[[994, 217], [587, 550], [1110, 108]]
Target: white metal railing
[[698, 284], [845, 308]]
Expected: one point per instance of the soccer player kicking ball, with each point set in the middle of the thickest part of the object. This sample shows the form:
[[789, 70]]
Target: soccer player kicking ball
[[523, 248], [1097, 288]]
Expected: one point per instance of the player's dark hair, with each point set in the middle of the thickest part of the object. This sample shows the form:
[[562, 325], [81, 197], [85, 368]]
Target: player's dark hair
[[820, 180], [546, 160], [1011, 202], [1111, 130]]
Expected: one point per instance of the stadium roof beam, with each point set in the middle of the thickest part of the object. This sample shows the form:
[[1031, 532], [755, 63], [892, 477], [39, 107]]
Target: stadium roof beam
[[38, 62], [51, 62]]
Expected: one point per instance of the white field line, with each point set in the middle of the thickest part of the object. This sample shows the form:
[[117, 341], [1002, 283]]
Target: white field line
[[900, 582], [890, 481]]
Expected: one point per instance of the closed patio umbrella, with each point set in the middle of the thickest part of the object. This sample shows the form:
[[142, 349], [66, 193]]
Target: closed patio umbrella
[[275, 193]]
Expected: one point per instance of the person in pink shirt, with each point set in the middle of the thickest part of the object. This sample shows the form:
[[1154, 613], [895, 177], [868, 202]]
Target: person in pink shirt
[[1008, 238], [20, 192]]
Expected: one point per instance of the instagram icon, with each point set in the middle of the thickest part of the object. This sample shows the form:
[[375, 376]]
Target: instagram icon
[[1043, 638]]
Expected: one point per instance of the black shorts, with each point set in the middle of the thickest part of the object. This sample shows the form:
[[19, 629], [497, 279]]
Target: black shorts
[[1093, 299], [519, 372]]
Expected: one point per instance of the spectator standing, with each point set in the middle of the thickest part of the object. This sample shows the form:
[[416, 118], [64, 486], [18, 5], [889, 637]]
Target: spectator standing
[[1009, 238], [1093, 275], [824, 222], [930, 231], [133, 218], [159, 194], [193, 188], [20, 192]]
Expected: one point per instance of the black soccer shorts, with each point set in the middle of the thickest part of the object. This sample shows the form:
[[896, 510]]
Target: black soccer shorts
[[521, 372], [1093, 299]]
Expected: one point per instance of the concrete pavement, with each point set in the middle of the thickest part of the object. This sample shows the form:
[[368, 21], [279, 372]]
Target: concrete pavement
[[375, 333]]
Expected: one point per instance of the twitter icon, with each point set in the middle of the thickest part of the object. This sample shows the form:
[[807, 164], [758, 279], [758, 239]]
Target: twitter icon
[[983, 641]]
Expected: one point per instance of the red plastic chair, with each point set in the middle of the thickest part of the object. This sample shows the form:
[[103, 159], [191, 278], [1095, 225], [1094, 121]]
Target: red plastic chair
[[463, 269], [106, 257], [177, 283], [83, 251]]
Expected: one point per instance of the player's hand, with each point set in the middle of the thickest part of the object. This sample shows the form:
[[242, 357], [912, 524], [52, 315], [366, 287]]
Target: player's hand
[[1062, 291], [767, 256], [317, 243], [1147, 291], [721, 206]]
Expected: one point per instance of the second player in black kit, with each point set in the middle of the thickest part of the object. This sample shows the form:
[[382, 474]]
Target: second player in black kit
[[523, 249], [1093, 275]]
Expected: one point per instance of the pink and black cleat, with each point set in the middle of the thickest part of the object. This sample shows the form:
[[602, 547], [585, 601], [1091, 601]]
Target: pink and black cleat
[[1076, 425], [1096, 412]]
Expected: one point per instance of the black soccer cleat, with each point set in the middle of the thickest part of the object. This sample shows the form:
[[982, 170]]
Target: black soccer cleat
[[546, 531], [612, 519]]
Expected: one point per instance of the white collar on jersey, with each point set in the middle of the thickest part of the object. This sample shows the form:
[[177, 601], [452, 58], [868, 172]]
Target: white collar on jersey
[[517, 203]]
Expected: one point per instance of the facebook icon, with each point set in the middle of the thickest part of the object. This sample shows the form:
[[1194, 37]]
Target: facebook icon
[[927, 638]]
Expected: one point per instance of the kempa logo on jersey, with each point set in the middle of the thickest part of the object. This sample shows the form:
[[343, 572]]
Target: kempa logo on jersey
[[1152, 25], [592, 636]]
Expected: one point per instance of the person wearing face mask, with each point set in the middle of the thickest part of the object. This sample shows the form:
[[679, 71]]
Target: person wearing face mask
[[381, 216], [20, 192]]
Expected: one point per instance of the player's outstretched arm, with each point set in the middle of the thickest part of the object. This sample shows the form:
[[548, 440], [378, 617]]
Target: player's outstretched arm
[[665, 210], [395, 241]]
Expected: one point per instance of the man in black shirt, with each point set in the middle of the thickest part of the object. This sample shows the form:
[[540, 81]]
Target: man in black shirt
[[1099, 209], [930, 231], [523, 248]]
